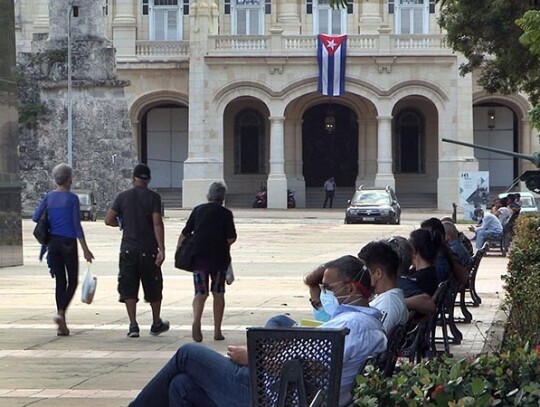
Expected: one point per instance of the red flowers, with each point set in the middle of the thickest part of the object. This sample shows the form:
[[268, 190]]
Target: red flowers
[[439, 388]]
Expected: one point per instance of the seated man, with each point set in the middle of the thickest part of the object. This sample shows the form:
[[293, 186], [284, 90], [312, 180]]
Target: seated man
[[199, 376], [383, 267], [489, 228], [383, 263], [455, 245]]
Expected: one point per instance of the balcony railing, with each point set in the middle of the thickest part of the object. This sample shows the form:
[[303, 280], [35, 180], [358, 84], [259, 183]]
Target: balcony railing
[[382, 44], [162, 50], [293, 45]]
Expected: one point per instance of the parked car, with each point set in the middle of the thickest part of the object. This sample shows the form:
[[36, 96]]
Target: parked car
[[528, 201], [88, 204], [373, 205]]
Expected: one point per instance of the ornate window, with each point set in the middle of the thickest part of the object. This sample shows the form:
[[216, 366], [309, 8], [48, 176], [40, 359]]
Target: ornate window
[[247, 16], [412, 16], [249, 142], [409, 142], [327, 20], [165, 20]]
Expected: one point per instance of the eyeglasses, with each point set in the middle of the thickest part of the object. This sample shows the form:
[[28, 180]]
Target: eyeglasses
[[327, 287]]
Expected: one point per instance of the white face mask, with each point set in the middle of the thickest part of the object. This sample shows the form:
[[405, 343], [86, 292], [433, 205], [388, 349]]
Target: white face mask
[[329, 302]]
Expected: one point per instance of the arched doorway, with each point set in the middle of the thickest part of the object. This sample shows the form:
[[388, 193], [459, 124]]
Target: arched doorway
[[330, 152], [164, 144], [496, 125]]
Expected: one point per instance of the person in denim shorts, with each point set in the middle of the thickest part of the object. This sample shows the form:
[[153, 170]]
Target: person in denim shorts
[[213, 230], [137, 211]]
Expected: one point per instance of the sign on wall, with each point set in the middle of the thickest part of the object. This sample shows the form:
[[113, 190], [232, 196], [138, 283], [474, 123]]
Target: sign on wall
[[473, 191]]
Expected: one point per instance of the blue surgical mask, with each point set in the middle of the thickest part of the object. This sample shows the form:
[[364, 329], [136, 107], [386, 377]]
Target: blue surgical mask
[[329, 302], [321, 315]]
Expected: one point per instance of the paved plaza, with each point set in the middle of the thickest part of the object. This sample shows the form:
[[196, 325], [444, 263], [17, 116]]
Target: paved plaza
[[99, 366]]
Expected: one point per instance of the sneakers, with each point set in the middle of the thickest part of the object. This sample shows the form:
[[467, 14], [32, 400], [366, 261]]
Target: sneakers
[[163, 326], [133, 331]]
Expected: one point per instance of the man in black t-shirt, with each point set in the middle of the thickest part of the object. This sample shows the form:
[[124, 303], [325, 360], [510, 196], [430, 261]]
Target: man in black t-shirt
[[137, 211]]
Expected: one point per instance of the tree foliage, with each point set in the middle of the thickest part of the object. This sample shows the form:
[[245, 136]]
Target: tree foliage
[[486, 33]]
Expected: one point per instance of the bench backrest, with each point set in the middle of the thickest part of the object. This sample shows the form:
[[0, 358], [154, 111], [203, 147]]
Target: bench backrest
[[292, 366]]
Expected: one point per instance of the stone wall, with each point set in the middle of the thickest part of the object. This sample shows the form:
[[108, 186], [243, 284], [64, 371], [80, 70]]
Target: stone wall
[[104, 152], [11, 253]]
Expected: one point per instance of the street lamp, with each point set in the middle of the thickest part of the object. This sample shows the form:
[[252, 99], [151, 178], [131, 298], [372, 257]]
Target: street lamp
[[73, 12]]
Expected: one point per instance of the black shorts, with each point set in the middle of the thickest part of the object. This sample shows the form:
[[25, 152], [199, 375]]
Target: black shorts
[[137, 267]]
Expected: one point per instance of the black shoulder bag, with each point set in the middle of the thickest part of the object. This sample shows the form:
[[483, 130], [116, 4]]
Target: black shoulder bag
[[42, 231], [183, 258]]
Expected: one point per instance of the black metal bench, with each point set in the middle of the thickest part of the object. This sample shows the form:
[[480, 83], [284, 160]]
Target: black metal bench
[[295, 367]]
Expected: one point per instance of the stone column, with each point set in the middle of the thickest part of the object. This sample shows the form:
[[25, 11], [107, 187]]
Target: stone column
[[277, 181], [205, 157], [41, 23], [297, 183], [371, 151], [362, 152], [455, 122], [288, 16], [370, 17], [124, 27], [384, 174]]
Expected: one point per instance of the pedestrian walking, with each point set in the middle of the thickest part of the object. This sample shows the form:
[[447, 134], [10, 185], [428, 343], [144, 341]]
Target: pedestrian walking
[[62, 209], [213, 231], [137, 211], [329, 189]]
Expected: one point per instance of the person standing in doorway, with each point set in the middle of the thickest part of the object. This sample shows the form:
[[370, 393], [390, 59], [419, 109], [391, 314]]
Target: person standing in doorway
[[329, 189], [137, 211], [213, 230]]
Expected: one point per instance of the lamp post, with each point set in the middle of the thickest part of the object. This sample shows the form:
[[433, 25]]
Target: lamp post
[[69, 93]]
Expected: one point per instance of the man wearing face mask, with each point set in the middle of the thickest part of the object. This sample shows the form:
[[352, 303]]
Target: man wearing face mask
[[199, 376], [383, 263]]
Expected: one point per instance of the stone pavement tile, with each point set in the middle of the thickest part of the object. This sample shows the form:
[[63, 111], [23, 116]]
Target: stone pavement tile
[[50, 393], [22, 392]]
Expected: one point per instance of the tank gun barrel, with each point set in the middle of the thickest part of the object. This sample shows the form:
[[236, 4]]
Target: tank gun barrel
[[535, 158]]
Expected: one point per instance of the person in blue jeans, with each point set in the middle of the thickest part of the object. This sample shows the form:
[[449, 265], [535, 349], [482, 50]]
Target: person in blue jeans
[[197, 376], [490, 227], [63, 214]]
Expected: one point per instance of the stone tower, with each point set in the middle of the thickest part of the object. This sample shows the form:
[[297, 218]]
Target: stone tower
[[103, 147], [11, 250]]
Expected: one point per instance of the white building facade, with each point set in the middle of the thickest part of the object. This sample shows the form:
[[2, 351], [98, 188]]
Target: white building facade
[[228, 91]]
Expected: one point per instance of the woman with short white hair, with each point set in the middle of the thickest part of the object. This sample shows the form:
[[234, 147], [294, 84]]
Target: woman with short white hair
[[63, 212], [213, 230]]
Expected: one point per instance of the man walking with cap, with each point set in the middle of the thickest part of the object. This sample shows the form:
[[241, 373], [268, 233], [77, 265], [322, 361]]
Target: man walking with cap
[[137, 211]]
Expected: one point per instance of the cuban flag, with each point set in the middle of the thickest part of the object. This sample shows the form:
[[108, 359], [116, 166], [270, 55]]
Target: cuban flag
[[331, 55]]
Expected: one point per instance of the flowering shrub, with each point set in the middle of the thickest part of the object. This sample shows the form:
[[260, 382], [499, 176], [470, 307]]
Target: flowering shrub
[[509, 378]]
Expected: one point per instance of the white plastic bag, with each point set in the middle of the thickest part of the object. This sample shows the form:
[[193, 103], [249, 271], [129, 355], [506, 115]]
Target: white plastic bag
[[88, 286], [229, 277]]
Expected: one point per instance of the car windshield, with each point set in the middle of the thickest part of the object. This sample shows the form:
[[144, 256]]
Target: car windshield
[[371, 198], [84, 199], [527, 202]]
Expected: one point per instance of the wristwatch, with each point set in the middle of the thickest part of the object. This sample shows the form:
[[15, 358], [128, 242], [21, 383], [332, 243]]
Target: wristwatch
[[316, 304]]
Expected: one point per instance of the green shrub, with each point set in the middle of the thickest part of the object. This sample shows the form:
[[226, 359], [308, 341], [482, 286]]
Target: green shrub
[[510, 378], [522, 283]]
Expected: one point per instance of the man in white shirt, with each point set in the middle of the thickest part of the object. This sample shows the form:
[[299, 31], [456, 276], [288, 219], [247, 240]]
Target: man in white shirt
[[383, 264], [199, 376], [489, 228]]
